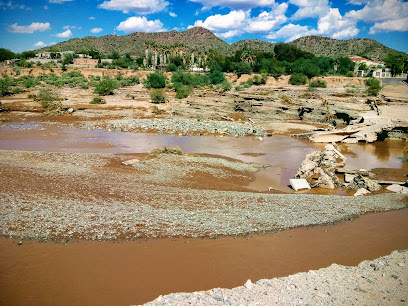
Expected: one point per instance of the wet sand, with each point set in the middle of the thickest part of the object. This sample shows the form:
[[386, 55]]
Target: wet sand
[[126, 272]]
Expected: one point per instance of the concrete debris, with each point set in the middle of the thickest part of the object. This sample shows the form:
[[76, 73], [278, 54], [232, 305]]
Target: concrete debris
[[348, 178], [398, 189], [130, 162], [363, 182], [299, 184], [327, 180], [361, 191]]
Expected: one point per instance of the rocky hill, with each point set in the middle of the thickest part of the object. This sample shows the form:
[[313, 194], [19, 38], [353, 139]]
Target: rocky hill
[[253, 44], [197, 38], [324, 46]]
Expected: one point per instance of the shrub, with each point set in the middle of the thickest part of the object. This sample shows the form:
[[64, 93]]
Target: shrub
[[155, 80], [405, 157], [217, 77], [47, 98], [285, 98], [318, 83], [242, 68], [158, 96], [5, 86], [97, 100], [105, 87], [374, 86], [225, 85], [259, 80], [171, 67], [298, 79], [183, 91], [30, 82], [166, 150]]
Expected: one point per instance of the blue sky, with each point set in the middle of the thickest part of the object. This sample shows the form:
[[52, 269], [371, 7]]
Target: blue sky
[[31, 24]]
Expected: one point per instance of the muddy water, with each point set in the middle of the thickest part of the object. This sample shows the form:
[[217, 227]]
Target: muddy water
[[283, 154], [122, 273]]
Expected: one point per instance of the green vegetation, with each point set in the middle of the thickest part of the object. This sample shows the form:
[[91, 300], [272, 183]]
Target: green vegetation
[[158, 96], [183, 91], [5, 89], [97, 100], [374, 86], [318, 83], [6, 54], [298, 79], [405, 157], [217, 77], [105, 87], [166, 150], [155, 80], [47, 98]]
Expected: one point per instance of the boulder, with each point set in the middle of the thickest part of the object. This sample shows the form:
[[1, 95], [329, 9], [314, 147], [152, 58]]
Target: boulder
[[361, 191], [326, 180], [363, 182], [398, 189]]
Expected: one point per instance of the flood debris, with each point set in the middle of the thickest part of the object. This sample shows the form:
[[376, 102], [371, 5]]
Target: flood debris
[[398, 189], [361, 192], [360, 181], [322, 163], [130, 162], [298, 184]]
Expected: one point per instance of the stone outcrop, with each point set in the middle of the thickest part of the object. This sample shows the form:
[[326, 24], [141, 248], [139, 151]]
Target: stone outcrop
[[363, 182]]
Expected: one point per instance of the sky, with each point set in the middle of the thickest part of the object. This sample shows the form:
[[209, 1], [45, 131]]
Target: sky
[[32, 24]]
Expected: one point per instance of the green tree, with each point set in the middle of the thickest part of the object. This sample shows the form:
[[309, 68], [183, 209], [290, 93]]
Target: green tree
[[396, 63], [242, 68], [217, 77], [6, 54], [155, 80]]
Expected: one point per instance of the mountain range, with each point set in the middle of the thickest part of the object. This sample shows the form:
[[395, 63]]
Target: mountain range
[[201, 39]]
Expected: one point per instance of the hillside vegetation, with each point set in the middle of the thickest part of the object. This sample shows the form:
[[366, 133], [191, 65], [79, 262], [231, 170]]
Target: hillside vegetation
[[325, 46]]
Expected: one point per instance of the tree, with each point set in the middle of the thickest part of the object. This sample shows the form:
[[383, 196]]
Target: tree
[[217, 77], [396, 63], [155, 80], [6, 54], [242, 68]]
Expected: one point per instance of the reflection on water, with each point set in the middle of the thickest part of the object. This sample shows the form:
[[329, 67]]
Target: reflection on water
[[283, 154]]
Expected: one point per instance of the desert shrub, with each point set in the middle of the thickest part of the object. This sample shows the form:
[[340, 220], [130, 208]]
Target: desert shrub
[[242, 68], [166, 150], [105, 87], [155, 80], [374, 86], [238, 88], [405, 157], [225, 85], [318, 83], [29, 81], [123, 82], [158, 96], [97, 100], [284, 98], [183, 91], [195, 80], [216, 77], [47, 98], [17, 70], [259, 80], [171, 67], [5, 86], [298, 79]]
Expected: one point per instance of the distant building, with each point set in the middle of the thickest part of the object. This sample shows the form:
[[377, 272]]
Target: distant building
[[196, 69], [369, 63], [85, 62], [106, 60]]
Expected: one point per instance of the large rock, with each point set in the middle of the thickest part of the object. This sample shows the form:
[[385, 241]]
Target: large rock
[[326, 180], [363, 182]]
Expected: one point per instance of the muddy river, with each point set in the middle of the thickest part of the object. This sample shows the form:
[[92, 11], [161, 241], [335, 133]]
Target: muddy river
[[126, 272]]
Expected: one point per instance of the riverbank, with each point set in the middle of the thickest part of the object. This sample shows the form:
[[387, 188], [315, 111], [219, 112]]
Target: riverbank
[[381, 281]]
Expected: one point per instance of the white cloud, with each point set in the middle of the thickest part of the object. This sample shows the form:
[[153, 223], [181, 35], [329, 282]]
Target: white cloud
[[310, 8], [399, 25], [235, 4], [34, 27], [233, 21], [91, 18], [172, 14], [381, 10], [40, 44], [59, 1], [96, 30], [140, 24], [141, 7], [45, 7], [12, 6], [65, 34], [336, 26], [229, 34], [357, 2], [71, 27], [267, 21], [289, 32]]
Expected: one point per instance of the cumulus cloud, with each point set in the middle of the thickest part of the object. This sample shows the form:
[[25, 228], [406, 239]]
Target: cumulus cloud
[[400, 25], [357, 2], [235, 4], [65, 34], [336, 26], [40, 44], [310, 8], [172, 14], [289, 32], [268, 21], [140, 24], [96, 30], [380, 10], [12, 6], [91, 18], [141, 7], [71, 27], [34, 27], [233, 22]]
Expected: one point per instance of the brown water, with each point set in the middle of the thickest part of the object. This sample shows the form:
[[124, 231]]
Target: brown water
[[284, 154], [122, 273]]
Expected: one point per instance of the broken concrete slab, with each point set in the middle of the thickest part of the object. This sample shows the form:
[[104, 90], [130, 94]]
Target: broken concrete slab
[[299, 184], [130, 162], [361, 191], [363, 182], [348, 178], [398, 189]]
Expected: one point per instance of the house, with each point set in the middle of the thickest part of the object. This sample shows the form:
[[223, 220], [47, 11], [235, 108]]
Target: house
[[106, 60], [85, 62], [195, 68], [369, 63]]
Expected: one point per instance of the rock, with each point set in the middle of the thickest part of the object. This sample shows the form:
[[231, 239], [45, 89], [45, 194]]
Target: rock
[[398, 188], [20, 243], [362, 182], [361, 191], [130, 162], [326, 180], [249, 285], [348, 178], [299, 184], [70, 110]]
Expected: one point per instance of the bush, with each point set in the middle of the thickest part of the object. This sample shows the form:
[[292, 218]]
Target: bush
[[171, 67], [318, 83], [183, 91], [285, 98], [374, 86], [217, 77], [97, 100], [166, 150], [47, 98], [155, 80], [225, 85], [5, 87], [30, 81], [405, 157], [298, 79], [105, 87], [242, 68], [158, 96], [259, 80]]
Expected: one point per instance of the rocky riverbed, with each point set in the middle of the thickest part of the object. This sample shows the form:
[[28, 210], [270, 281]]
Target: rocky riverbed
[[383, 281]]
